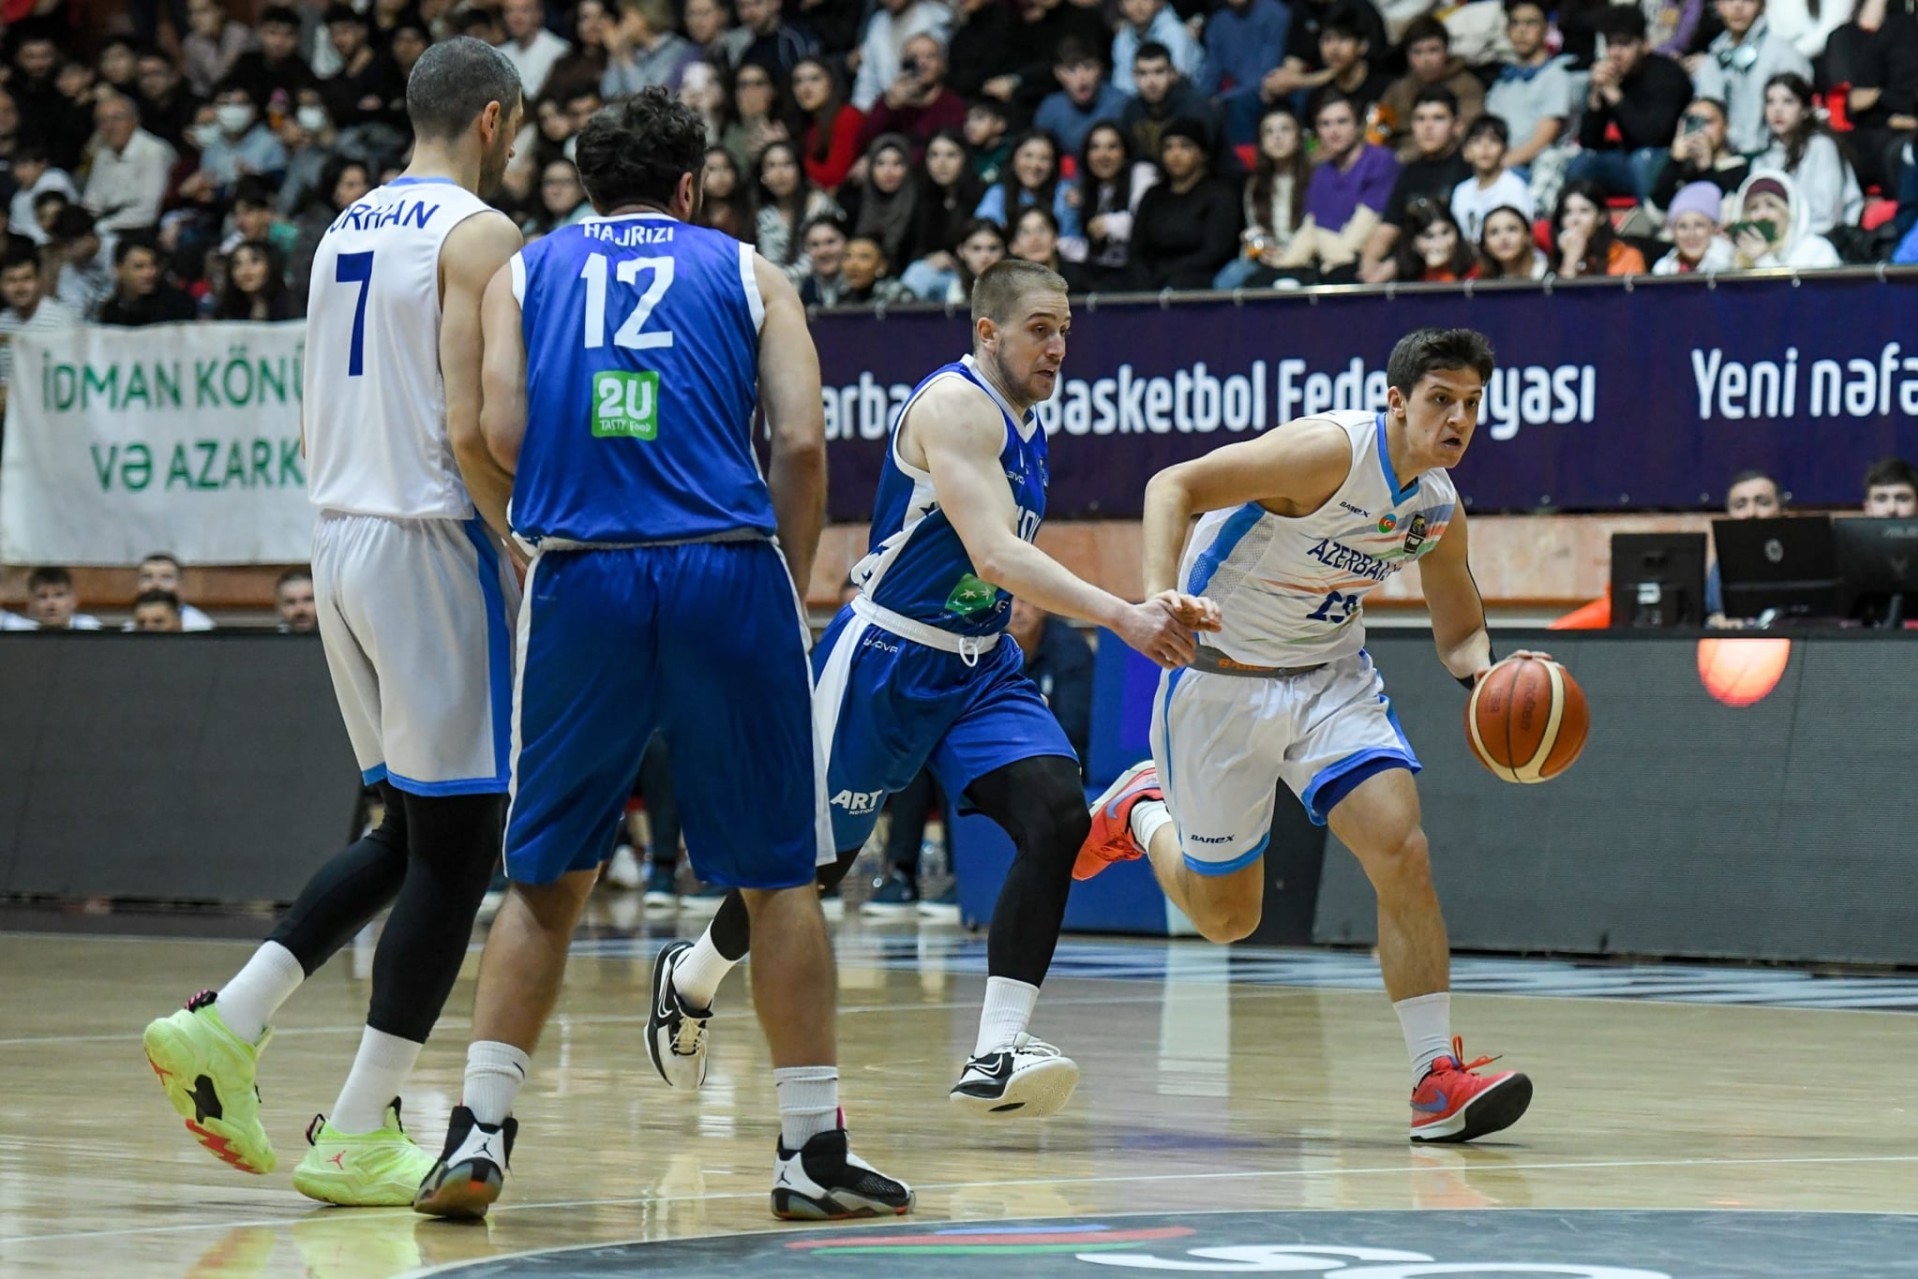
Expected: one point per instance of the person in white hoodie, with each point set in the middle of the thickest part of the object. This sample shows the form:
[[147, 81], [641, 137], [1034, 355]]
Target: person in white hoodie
[[1801, 147], [1770, 231], [1696, 243]]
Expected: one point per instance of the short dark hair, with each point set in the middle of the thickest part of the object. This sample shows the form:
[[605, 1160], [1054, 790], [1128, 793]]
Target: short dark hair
[[1491, 124], [48, 575], [1426, 27], [278, 15], [1436, 93], [834, 220], [292, 575], [1151, 51], [1001, 285], [162, 556], [1345, 20], [453, 82], [126, 247], [74, 222], [1620, 22], [1891, 470], [252, 189], [157, 596], [1749, 474], [1333, 97], [339, 12], [32, 154], [1072, 51], [1513, 6], [15, 258], [639, 149], [1434, 350]]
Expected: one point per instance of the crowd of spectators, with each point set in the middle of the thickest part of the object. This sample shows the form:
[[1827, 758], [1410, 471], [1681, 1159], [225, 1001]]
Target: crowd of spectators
[[177, 160]]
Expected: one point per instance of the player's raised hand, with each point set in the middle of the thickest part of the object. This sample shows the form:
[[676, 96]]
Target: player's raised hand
[[1194, 612], [1153, 630]]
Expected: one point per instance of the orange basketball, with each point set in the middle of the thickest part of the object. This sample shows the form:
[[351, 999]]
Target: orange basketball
[[1527, 719]]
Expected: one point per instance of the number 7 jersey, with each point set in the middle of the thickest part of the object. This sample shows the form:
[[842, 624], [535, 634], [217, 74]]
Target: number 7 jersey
[[1290, 589], [374, 400]]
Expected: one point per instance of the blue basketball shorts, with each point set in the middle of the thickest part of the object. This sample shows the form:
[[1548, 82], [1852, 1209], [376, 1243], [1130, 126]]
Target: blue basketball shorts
[[888, 706], [703, 641]]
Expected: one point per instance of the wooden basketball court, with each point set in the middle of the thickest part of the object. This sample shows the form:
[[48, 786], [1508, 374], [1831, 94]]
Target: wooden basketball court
[[1215, 1080]]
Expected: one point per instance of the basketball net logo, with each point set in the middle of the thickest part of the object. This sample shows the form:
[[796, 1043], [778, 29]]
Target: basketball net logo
[[1266, 1259]]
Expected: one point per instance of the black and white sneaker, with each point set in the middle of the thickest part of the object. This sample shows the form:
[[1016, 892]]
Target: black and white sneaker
[[824, 1181], [675, 1034], [471, 1173], [1029, 1080]]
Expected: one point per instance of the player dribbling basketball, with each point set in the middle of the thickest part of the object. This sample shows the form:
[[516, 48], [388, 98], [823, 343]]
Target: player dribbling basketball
[[1295, 529]]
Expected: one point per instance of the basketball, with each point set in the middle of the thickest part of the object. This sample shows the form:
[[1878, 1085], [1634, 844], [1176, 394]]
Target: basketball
[[1527, 720]]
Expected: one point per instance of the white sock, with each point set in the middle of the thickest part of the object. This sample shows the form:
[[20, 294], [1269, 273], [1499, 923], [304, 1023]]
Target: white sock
[[1148, 817], [379, 1073], [1427, 1023], [495, 1072], [256, 992], [1007, 1012], [698, 972], [808, 1102]]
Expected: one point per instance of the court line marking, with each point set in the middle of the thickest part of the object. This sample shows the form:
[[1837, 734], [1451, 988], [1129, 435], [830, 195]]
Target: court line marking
[[1246, 1175]]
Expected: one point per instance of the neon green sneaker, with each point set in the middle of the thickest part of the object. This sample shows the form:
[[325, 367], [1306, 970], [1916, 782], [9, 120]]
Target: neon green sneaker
[[380, 1169], [208, 1073]]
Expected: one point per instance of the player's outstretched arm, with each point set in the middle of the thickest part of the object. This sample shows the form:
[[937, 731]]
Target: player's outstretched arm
[[1293, 470], [471, 256], [962, 434], [795, 412], [1452, 598]]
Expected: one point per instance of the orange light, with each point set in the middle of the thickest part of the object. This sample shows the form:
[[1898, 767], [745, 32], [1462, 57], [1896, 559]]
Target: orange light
[[1739, 672]]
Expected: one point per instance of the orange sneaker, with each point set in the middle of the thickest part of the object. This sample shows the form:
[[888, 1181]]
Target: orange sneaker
[[1453, 1104], [1111, 838]]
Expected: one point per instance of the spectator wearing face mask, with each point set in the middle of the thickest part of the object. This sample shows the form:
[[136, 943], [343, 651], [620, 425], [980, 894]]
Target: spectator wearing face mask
[[236, 143], [1693, 222]]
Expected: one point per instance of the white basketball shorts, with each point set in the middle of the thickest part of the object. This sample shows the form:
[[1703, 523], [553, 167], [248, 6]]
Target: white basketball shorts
[[1223, 743], [417, 617]]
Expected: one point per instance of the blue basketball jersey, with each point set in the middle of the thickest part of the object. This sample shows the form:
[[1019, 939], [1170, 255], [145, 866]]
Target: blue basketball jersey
[[642, 373], [916, 565]]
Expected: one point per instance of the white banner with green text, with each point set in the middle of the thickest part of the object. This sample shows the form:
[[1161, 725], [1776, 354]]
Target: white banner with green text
[[178, 437]]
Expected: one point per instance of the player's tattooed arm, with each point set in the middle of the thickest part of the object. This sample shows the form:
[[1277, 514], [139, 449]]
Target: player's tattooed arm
[[1452, 599], [790, 396]]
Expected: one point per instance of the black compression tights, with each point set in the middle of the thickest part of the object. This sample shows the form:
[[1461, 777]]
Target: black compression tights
[[431, 858], [1040, 802]]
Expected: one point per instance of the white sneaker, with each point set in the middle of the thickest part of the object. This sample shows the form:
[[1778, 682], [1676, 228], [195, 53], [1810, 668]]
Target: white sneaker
[[675, 1034], [1028, 1080], [623, 871]]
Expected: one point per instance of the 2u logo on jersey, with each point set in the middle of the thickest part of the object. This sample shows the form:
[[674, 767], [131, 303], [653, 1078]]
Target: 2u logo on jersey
[[625, 405]]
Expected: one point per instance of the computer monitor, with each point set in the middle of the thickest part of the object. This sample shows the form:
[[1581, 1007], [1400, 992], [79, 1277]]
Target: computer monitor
[[1878, 560], [1787, 568], [1658, 580]]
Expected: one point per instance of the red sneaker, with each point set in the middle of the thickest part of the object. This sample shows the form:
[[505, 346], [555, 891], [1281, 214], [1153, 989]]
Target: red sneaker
[[1453, 1104], [1111, 838]]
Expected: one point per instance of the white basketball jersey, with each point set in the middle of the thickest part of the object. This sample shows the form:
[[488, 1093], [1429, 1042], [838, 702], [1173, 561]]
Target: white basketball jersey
[[375, 400], [1290, 590]]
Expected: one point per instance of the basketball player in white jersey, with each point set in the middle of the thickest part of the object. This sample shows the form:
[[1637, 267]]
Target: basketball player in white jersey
[[415, 607], [1295, 529]]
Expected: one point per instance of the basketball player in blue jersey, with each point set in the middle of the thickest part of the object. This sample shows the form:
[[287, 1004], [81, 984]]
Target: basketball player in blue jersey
[[1294, 530], [624, 360], [914, 673], [415, 609]]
